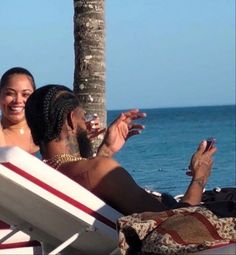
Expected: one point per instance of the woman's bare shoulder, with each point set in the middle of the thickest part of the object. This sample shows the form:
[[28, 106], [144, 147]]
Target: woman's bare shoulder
[[2, 137]]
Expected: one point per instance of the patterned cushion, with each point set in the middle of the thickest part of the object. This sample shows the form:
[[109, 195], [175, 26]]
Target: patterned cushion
[[177, 231]]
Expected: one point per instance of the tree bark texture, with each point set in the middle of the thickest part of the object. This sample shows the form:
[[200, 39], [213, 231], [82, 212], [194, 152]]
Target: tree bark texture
[[89, 46]]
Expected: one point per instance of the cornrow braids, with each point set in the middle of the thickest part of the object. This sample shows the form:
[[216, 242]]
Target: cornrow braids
[[46, 114], [16, 70], [46, 111], [60, 112]]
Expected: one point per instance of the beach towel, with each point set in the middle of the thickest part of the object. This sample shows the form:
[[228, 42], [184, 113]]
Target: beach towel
[[177, 231]]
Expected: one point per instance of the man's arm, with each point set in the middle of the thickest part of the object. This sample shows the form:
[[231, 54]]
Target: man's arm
[[201, 164], [117, 188]]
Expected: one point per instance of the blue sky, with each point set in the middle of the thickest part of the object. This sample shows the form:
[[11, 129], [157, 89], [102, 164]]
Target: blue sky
[[159, 53]]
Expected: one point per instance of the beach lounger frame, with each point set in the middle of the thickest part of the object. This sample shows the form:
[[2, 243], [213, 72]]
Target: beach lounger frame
[[40, 203], [52, 208]]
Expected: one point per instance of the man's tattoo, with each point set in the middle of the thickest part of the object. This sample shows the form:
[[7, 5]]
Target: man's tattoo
[[104, 151], [72, 144], [200, 182]]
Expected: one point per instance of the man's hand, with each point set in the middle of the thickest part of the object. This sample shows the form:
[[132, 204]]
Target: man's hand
[[200, 167], [121, 129], [93, 126], [201, 162]]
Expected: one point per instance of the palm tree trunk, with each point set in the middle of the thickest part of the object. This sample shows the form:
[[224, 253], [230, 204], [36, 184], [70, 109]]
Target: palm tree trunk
[[89, 46]]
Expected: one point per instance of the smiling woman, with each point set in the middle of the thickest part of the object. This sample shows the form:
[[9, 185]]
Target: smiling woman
[[16, 85]]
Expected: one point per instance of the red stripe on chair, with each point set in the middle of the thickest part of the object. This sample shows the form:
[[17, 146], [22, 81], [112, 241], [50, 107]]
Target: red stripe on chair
[[4, 225], [59, 194], [20, 245]]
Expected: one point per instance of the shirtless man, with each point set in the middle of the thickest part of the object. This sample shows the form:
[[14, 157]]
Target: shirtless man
[[57, 123]]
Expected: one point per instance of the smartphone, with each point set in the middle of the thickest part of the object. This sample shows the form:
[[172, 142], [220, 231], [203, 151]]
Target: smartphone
[[210, 142]]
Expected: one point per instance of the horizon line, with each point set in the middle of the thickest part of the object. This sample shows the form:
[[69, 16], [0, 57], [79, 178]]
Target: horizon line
[[168, 107]]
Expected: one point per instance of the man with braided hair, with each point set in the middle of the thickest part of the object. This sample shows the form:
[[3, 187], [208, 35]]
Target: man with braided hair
[[57, 123]]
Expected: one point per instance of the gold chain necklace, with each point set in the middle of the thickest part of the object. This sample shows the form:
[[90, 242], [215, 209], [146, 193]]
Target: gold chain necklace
[[60, 159]]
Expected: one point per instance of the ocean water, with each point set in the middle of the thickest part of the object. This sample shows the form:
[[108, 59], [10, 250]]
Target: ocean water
[[158, 158]]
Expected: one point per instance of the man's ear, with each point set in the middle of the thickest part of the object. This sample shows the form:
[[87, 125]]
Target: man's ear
[[71, 120]]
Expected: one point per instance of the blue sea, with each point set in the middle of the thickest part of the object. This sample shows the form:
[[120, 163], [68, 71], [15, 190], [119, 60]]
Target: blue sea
[[158, 158]]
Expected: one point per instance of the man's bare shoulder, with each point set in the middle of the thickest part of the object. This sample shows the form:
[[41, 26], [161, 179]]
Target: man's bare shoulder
[[104, 163], [98, 168]]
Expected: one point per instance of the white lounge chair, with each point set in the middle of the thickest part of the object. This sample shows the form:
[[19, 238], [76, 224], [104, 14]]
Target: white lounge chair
[[39, 203], [52, 208]]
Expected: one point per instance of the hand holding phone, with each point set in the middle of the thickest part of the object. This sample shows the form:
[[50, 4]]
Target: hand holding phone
[[210, 142]]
